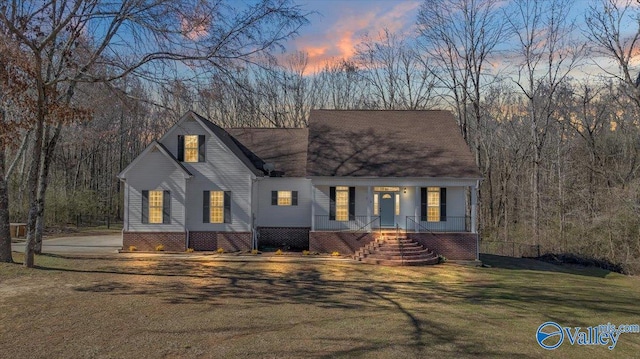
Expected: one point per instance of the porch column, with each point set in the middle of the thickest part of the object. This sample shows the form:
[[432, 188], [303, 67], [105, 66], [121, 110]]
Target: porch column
[[474, 208], [313, 208], [416, 209], [369, 205]]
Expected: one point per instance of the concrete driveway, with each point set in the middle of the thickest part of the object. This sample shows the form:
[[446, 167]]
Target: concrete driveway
[[108, 243]]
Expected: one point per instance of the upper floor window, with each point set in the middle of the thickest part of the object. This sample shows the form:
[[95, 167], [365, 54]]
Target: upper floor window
[[191, 148], [284, 198]]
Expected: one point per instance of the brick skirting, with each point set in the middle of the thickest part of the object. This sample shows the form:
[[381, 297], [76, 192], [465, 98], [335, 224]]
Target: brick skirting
[[147, 241], [229, 241], [341, 242], [284, 237], [455, 246]]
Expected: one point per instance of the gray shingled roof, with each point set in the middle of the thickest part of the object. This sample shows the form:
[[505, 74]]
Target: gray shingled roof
[[285, 148], [387, 144]]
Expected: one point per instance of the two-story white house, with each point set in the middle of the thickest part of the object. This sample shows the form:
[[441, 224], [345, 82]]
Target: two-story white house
[[329, 187]]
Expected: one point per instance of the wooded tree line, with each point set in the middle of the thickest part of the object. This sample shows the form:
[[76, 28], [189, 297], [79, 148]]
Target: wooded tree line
[[548, 99]]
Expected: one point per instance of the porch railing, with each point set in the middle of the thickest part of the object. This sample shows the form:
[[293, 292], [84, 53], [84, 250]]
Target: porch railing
[[450, 224], [356, 224]]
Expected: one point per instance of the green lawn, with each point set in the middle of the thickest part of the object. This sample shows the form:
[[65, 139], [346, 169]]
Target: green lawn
[[127, 306]]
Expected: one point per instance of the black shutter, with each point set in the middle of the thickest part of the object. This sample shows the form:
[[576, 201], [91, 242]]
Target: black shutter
[[180, 148], [201, 149], [294, 198], [274, 198], [332, 203], [206, 207], [352, 203], [443, 204], [166, 207], [145, 207], [423, 204], [227, 207]]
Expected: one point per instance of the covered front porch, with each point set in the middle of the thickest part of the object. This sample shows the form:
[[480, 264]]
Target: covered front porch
[[410, 206]]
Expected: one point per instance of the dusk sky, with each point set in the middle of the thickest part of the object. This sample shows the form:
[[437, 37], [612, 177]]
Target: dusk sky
[[339, 24]]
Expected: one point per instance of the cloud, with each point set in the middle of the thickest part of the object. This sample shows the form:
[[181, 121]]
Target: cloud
[[195, 27], [334, 36]]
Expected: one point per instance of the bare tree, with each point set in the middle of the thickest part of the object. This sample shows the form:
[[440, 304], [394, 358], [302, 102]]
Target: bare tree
[[397, 77], [546, 54], [74, 41], [613, 26], [460, 36]]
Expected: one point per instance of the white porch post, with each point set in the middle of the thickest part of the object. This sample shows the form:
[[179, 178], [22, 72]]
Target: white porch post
[[313, 208], [474, 208], [369, 205], [416, 209]]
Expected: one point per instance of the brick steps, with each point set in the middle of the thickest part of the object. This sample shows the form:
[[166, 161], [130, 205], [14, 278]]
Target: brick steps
[[394, 249]]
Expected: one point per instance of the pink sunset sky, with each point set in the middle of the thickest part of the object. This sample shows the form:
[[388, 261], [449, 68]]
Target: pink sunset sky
[[339, 25]]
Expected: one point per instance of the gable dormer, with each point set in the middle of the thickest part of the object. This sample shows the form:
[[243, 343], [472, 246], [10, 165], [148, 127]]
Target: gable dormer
[[194, 139]]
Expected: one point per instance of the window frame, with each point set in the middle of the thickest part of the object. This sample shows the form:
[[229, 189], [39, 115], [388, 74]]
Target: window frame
[[216, 210], [282, 201], [156, 206], [433, 204], [342, 204], [191, 148], [211, 213]]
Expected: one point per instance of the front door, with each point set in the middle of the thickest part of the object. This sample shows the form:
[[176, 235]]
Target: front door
[[387, 206]]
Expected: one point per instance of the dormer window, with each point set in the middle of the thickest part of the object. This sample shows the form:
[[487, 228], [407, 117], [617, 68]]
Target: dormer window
[[191, 148]]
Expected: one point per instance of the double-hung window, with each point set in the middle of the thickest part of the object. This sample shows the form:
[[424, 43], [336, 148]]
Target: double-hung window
[[216, 207], [284, 198], [342, 203], [191, 148], [434, 204], [156, 207]]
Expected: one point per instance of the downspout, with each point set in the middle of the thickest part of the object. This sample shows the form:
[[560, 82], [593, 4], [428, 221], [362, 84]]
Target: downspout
[[254, 218], [313, 207], [184, 208], [125, 226]]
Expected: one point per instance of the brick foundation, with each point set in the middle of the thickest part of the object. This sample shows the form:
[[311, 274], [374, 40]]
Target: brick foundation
[[229, 241], [284, 237], [341, 242], [147, 241], [454, 246]]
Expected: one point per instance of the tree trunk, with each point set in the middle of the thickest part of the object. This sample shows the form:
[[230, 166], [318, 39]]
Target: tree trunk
[[43, 183], [5, 235], [32, 184]]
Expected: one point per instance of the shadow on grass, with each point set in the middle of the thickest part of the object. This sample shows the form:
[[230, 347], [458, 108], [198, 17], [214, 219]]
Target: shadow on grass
[[538, 265], [522, 286]]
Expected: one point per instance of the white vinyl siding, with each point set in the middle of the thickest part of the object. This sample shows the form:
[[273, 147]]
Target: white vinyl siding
[[269, 215], [155, 172], [222, 170]]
